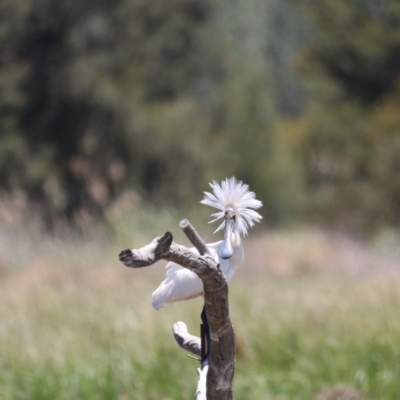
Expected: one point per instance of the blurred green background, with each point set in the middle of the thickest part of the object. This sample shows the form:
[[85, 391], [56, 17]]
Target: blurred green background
[[115, 115], [105, 100]]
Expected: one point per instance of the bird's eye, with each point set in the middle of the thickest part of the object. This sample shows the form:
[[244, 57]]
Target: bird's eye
[[230, 214]]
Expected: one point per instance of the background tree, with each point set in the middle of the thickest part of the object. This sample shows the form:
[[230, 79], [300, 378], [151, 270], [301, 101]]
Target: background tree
[[349, 131], [102, 99]]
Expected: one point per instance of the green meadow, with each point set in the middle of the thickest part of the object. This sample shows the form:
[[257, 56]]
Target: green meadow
[[311, 311]]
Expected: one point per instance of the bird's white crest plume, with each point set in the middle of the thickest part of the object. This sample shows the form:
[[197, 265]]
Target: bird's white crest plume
[[235, 204], [235, 195]]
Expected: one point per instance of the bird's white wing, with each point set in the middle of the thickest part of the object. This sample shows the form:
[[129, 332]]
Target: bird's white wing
[[179, 284]]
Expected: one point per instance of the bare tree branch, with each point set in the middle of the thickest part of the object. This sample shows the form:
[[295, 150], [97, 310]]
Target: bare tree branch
[[187, 341], [149, 254], [194, 237], [222, 346]]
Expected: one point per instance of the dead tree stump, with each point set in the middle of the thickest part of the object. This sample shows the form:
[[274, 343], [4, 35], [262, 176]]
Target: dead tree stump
[[216, 376]]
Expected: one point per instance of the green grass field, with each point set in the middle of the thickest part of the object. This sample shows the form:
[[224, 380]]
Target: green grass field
[[310, 312]]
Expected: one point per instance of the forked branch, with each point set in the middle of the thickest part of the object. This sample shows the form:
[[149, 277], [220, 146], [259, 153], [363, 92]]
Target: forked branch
[[205, 266]]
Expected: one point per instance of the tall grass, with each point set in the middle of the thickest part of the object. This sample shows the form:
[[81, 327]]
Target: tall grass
[[76, 324]]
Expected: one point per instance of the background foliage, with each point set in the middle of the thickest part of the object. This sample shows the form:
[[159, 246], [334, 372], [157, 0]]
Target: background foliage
[[110, 100]]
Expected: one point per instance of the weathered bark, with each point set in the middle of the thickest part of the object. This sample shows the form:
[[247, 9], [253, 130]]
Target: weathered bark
[[194, 237], [187, 341], [193, 344], [222, 346]]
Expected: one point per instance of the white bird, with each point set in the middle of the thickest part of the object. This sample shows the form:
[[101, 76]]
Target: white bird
[[236, 204]]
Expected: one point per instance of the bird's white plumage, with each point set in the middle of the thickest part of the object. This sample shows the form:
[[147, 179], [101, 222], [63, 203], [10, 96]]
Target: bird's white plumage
[[235, 195], [182, 284]]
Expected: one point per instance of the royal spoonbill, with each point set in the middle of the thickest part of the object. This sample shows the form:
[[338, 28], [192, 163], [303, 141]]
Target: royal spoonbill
[[236, 204]]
